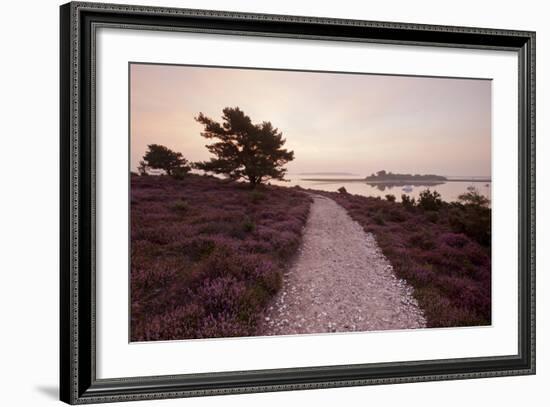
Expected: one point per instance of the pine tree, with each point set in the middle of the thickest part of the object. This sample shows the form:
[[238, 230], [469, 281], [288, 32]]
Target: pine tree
[[245, 150]]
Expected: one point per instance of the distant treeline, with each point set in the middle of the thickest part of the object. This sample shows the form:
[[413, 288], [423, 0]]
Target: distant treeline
[[390, 176]]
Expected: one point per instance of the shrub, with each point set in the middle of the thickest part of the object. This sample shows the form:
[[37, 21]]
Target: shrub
[[248, 225], [342, 190], [390, 198], [473, 221], [444, 254], [211, 272], [430, 201], [180, 206], [397, 215], [378, 219], [407, 201], [474, 198], [199, 248], [423, 240], [431, 216], [180, 173]]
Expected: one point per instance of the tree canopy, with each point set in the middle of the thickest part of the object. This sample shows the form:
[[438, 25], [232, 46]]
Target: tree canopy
[[162, 158], [245, 150]]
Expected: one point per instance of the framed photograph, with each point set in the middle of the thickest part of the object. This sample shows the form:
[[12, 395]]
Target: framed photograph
[[255, 203]]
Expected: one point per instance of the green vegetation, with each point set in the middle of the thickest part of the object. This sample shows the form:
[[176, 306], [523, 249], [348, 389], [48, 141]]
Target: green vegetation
[[159, 157], [430, 201], [245, 150], [442, 249], [389, 176], [206, 258]]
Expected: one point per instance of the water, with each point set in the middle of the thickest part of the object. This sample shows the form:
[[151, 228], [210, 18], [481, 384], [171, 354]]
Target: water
[[449, 190]]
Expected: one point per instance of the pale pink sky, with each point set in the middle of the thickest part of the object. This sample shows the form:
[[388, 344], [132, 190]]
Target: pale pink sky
[[353, 123]]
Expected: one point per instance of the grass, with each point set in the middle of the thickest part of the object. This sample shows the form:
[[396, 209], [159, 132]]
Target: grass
[[443, 250], [207, 255]]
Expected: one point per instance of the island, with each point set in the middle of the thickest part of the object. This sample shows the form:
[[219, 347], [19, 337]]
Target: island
[[388, 177]]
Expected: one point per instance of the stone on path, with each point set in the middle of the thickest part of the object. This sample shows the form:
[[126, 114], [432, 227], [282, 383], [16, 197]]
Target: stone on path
[[339, 282]]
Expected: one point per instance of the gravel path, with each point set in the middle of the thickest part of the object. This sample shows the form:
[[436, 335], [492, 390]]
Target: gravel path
[[340, 282]]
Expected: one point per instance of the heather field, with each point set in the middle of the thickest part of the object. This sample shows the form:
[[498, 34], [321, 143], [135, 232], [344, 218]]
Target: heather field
[[243, 217], [208, 255], [442, 249]]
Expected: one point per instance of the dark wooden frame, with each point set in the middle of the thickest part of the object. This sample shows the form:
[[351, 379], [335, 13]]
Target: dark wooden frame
[[78, 382]]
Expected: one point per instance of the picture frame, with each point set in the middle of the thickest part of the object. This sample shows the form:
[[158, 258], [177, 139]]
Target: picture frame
[[79, 382]]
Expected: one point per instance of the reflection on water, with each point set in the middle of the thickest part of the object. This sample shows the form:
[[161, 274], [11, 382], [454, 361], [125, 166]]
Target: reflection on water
[[449, 190], [406, 187]]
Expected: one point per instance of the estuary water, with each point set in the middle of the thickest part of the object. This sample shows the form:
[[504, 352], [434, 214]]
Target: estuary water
[[449, 190]]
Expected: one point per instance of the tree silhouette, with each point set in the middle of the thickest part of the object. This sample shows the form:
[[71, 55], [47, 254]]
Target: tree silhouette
[[162, 158], [244, 150]]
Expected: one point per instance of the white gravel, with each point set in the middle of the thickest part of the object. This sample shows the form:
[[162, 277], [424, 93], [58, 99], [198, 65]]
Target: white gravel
[[340, 282]]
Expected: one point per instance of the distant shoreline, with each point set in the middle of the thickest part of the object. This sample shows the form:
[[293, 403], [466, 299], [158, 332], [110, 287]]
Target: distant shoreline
[[326, 173], [395, 181]]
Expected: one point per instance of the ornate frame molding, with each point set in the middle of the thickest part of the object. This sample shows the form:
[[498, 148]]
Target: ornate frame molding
[[79, 20]]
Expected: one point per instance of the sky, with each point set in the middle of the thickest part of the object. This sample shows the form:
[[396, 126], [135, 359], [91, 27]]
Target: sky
[[334, 122]]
